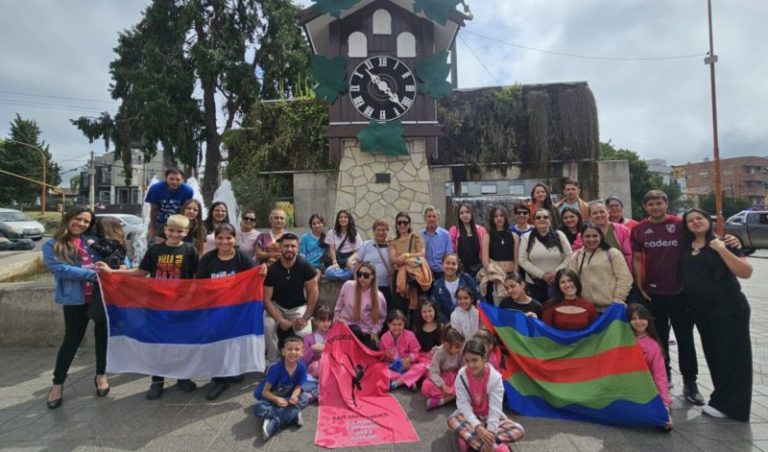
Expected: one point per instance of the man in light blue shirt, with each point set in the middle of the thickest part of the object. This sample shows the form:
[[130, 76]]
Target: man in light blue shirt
[[437, 242]]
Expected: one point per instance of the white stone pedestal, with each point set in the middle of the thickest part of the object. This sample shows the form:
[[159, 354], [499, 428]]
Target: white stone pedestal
[[408, 189]]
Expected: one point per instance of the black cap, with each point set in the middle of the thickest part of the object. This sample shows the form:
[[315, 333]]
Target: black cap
[[287, 236]]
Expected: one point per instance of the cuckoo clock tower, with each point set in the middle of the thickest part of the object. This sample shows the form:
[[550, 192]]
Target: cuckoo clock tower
[[382, 65]]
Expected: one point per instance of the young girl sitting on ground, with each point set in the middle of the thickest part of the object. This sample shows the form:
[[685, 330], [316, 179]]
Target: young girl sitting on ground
[[465, 317], [446, 360], [402, 351], [429, 332], [517, 299], [314, 344], [479, 420], [642, 324]]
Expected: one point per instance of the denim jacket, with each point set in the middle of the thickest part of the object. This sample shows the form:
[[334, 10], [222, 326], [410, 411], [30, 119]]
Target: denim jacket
[[443, 298], [69, 277]]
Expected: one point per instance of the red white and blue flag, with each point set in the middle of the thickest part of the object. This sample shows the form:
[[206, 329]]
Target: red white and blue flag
[[185, 328]]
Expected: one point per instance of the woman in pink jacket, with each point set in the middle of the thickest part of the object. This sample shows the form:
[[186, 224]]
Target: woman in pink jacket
[[616, 235], [362, 306]]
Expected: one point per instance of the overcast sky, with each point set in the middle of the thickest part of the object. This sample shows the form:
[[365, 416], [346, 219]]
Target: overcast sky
[[56, 55]]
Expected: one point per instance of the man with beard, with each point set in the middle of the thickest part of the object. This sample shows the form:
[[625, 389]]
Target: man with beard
[[290, 296]]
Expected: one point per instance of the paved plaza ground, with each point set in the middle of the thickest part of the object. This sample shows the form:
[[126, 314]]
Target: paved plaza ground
[[124, 420]]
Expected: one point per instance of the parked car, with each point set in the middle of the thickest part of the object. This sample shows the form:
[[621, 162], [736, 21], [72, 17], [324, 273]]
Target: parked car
[[132, 226], [20, 226], [751, 227]]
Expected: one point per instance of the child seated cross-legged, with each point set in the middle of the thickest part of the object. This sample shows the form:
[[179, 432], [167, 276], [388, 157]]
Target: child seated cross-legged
[[446, 361], [402, 351], [314, 344], [479, 420], [171, 259], [279, 397]]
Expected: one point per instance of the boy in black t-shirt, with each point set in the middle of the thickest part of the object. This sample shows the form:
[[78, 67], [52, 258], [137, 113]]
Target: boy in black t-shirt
[[171, 259]]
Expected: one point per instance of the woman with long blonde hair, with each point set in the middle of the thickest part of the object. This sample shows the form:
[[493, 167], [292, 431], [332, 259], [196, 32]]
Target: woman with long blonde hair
[[71, 260], [362, 306]]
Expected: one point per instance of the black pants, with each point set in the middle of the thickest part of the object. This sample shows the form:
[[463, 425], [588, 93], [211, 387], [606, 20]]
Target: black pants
[[724, 330], [75, 323], [674, 310]]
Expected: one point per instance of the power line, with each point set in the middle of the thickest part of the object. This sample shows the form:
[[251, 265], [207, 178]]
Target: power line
[[48, 96], [50, 106], [587, 57], [479, 61]]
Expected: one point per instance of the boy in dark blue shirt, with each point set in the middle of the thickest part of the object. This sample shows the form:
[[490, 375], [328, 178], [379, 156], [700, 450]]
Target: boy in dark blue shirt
[[279, 398]]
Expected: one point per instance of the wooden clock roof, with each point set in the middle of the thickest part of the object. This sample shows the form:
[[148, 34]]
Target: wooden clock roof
[[317, 25]]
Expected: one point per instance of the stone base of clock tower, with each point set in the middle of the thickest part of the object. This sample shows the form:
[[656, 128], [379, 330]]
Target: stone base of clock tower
[[373, 186]]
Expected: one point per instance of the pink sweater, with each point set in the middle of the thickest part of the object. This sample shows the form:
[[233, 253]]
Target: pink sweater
[[405, 346], [345, 308], [655, 360]]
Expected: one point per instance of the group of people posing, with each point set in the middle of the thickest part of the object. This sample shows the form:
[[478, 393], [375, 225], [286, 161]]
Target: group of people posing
[[413, 295]]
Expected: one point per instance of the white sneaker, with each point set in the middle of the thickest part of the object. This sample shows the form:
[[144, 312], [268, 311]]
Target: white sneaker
[[709, 410], [268, 427], [300, 420]]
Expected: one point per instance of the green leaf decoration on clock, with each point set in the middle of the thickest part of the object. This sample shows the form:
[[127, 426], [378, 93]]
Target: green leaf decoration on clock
[[331, 77], [436, 10], [432, 73], [334, 7], [384, 137]]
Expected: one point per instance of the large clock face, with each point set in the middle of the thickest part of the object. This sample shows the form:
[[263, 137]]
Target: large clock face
[[382, 88]]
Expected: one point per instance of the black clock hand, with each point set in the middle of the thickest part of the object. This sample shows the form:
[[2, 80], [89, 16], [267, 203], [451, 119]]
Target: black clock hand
[[384, 88]]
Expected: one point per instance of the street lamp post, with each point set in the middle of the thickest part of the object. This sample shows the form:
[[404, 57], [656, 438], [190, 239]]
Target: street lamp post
[[42, 156]]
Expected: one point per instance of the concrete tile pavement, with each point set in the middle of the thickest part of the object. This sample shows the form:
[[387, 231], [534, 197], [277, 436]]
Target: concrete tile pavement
[[124, 420]]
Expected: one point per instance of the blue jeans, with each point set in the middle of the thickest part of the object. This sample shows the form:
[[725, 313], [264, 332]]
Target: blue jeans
[[284, 416], [338, 274]]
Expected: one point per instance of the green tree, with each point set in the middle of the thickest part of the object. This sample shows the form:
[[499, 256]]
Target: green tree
[[640, 178], [25, 161], [284, 56], [731, 206], [188, 71]]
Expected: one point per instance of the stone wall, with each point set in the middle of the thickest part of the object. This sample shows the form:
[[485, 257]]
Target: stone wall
[[408, 189], [614, 181], [314, 193]]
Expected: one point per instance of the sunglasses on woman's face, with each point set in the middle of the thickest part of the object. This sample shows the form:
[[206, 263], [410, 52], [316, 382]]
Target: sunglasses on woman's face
[[521, 212], [406, 222], [541, 217], [249, 219], [364, 275]]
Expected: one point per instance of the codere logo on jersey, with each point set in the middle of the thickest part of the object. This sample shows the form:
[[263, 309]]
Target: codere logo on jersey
[[661, 244]]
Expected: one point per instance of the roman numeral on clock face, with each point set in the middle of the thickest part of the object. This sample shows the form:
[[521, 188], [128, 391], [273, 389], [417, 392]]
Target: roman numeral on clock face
[[410, 88], [354, 88], [368, 111], [407, 101], [383, 115], [369, 64], [382, 61], [358, 101]]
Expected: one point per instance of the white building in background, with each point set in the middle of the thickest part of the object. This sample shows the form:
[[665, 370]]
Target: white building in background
[[659, 167], [110, 184]]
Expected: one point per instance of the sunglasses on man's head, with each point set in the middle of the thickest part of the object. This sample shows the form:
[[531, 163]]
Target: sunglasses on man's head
[[364, 275]]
